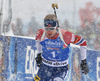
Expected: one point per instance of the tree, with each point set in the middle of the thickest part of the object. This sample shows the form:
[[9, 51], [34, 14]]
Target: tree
[[18, 27], [88, 14], [33, 27]]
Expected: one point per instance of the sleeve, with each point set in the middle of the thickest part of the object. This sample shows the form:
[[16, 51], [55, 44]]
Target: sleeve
[[39, 34], [77, 40], [72, 38], [83, 46], [38, 46], [38, 39], [68, 37]]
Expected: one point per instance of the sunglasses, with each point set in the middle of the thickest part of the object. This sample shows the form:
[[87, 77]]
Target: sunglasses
[[50, 23], [51, 29]]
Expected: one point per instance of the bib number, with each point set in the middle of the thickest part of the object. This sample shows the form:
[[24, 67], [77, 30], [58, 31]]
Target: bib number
[[53, 54]]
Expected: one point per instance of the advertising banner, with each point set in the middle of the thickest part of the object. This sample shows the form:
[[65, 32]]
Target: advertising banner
[[22, 65], [22, 59], [93, 60], [26, 64], [94, 65], [3, 58], [75, 62]]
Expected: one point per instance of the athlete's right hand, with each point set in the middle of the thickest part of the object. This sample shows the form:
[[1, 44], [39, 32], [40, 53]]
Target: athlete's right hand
[[84, 67], [38, 60]]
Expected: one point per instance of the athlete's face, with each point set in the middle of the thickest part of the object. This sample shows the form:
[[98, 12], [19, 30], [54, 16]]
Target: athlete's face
[[50, 31]]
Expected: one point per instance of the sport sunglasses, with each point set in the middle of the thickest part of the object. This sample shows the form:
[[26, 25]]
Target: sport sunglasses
[[51, 29], [50, 23]]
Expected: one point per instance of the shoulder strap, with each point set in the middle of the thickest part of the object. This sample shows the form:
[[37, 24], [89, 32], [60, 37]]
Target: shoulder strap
[[42, 35], [61, 36]]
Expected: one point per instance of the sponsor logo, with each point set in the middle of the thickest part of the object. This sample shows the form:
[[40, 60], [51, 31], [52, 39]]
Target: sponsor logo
[[76, 67], [55, 64], [30, 63], [53, 43], [2, 55], [2, 65], [98, 68], [53, 48]]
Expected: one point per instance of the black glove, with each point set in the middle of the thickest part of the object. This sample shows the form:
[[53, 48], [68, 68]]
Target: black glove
[[84, 67], [38, 60]]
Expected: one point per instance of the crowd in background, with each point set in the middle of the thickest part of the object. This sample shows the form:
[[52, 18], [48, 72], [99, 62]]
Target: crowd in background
[[89, 28], [90, 33]]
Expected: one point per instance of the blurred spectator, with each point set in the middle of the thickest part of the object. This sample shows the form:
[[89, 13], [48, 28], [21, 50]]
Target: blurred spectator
[[88, 34], [17, 27], [33, 27], [88, 14], [97, 38], [97, 42]]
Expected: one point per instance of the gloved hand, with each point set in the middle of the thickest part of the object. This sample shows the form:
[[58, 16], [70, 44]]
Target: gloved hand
[[38, 60], [84, 67]]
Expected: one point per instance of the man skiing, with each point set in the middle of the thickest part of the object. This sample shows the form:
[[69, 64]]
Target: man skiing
[[53, 51]]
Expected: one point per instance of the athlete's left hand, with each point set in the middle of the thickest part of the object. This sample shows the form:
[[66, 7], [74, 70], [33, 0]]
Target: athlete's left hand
[[84, 67], [38, 60]]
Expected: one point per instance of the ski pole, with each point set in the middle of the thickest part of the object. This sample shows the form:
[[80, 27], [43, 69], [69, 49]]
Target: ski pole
[[55, 6], [89, 77]]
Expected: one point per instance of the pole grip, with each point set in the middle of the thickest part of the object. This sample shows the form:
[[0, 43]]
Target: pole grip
[[55, 6]]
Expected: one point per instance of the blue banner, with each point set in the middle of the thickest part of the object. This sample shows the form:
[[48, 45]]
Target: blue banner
[[26, 64], [22, 63], [93, 60], [17, 62]]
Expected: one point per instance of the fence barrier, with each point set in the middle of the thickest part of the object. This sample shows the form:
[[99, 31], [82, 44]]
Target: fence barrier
[[17, 61]]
